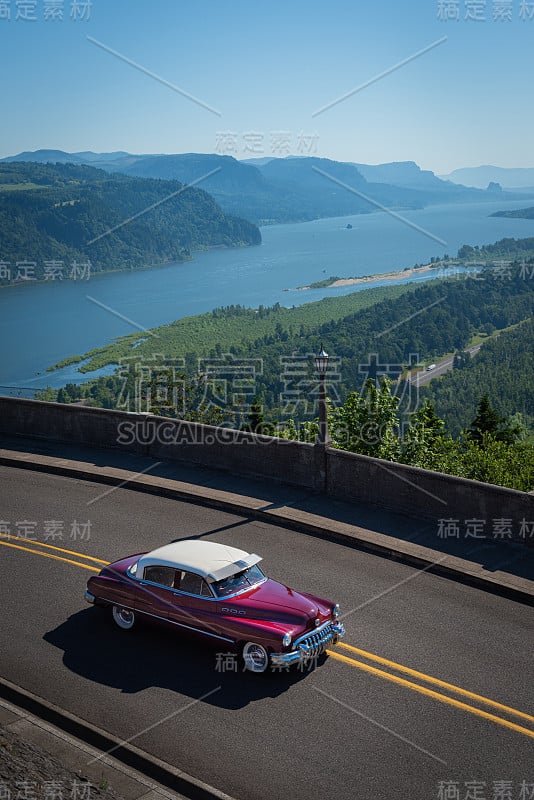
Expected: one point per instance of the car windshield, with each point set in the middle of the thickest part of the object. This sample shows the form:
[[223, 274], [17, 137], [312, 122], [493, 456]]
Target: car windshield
[[238, 582]]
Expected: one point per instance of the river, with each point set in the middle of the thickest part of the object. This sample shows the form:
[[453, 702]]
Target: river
[[42, 323]]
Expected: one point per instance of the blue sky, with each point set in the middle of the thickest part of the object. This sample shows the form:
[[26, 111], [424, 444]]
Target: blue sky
[[266, 68]]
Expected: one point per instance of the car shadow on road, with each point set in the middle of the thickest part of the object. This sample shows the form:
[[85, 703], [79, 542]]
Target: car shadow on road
[[154, 656]]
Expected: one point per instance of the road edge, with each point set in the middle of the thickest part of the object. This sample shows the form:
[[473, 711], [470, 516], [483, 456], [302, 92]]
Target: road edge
[[161, 772]]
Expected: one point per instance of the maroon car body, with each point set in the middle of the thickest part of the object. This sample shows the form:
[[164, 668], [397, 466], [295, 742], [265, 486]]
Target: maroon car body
[[218, 592]]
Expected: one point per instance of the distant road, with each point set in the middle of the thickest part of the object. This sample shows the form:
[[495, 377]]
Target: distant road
[[441, 367]]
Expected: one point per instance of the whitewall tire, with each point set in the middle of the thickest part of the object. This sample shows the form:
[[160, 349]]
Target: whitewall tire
[[123, 617]]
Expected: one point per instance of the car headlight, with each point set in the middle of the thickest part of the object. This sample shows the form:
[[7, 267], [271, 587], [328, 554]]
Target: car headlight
[[286, 641], [335, 610]]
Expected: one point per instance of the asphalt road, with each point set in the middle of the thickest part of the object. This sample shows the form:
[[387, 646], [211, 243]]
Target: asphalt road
[[352, 728], [423, 377]]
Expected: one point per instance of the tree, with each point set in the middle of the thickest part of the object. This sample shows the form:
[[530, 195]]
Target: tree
[[500, 463], [423, 439], [489, 421], [367, 422], [305, 432], [461, 359], [63, 396], [256, 420]]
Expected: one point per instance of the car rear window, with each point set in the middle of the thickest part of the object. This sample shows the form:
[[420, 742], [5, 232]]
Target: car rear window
[[161, 575]]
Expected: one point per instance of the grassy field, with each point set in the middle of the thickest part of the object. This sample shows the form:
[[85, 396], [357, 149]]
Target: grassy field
[[19, 187], [231, 328]]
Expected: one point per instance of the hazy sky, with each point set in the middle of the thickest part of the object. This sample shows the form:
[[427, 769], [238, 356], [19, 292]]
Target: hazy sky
[[266, 69]]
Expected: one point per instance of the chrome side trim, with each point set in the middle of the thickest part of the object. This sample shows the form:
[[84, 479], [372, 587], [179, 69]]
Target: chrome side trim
[[190, 594], [189, 627], [90, 598], [170, 621]]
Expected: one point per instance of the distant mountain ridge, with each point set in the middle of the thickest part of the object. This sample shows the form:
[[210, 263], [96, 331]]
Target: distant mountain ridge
[[292, 189], [402, 173], [509, 177]]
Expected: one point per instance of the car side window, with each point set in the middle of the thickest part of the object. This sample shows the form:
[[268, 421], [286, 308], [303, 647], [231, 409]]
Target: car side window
[[194, 584], [205, 590], [161, 575]]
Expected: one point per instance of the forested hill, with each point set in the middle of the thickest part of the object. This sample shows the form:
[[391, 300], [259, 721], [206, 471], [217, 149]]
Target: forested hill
[[517, 213], [503, 370], [73, 213]]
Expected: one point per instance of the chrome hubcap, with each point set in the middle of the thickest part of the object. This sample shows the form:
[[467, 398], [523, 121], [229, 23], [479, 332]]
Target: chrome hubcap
[[255, 657]]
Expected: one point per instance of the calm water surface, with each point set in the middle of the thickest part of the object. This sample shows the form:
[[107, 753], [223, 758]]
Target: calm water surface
[[41, 324]]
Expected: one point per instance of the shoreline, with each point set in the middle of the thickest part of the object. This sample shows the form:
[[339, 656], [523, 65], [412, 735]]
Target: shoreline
[[396, 275], [387, 276], [119, 270]]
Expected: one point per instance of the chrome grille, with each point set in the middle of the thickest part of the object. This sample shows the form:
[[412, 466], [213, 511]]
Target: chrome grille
[[315, 642]]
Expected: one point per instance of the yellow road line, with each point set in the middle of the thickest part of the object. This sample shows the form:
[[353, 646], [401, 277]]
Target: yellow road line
[[49, 555], [53, 547], [436, 681], [431, 693], [351, 661]]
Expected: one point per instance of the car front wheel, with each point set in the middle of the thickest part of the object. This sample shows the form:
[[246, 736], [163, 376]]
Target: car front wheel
[[123, 617], [256, 657]]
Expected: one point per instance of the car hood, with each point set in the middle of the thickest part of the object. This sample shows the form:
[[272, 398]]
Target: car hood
[[274, 601]]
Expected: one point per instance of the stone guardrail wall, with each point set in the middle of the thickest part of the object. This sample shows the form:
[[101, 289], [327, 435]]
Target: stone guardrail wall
[[343, 475], [164, 438], [432, 495]]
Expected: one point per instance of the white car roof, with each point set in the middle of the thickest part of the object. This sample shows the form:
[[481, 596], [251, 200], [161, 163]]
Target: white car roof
[[211, 560]]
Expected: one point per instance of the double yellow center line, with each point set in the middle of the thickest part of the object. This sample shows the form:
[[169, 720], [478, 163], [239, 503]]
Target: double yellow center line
[[345, 652], [6, 541], [443, 698]]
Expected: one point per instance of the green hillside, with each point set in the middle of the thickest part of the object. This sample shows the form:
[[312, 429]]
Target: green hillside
[[70, 213], [373, 332], [235, 327]]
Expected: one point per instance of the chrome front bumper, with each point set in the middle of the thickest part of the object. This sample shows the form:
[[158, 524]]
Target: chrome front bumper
[[89, 597], [310, 645]]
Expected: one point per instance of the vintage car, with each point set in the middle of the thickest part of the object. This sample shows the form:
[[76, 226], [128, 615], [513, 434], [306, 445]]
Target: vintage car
[[220, 593]]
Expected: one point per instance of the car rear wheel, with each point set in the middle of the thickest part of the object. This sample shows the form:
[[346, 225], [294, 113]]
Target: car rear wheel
[[124, 617], [256, 657]]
